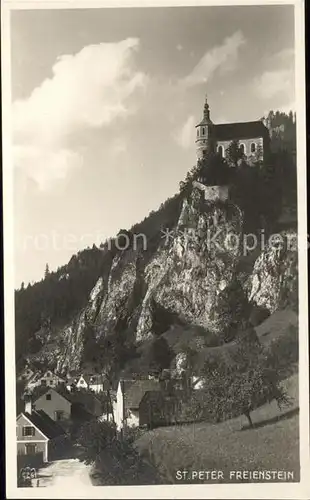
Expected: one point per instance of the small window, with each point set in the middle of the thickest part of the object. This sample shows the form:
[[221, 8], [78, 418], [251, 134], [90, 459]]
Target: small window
[[59, 415], [203, 131], [242, 148], [253, 147], [220, 151], [197, 132], [28, 430], [48, 397], [48, 374], [30, 449], [43, 381]]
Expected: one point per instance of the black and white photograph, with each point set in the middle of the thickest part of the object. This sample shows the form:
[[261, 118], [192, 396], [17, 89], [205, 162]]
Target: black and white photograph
[[155, 251]]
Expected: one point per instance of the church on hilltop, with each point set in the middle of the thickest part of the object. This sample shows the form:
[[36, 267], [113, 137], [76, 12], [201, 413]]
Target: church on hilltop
[[253, 137]]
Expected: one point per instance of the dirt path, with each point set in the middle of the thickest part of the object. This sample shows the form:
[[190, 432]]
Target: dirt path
[[66, 472]]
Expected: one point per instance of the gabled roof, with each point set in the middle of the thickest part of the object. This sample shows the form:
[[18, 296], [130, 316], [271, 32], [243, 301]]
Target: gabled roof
[[65, 394], [44, 423], [239, 130], [84, 377], [34, 378], [92, 379], [134, 391], [53, 374]]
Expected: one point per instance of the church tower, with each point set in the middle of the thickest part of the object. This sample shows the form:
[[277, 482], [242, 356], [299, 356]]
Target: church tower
[[204, 133]]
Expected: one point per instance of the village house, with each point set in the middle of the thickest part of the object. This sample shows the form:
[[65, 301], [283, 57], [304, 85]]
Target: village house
[[158, 408], [37, 434], [128, 397], [51, 379], [62, 405], [94, 383], [71, 383], [47, 379], [69, 410], [27, 373], [89, 401], [56, 405]]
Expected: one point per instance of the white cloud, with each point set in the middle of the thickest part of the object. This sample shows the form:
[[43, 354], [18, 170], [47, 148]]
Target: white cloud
[[222, 58], [46, 165], [284, 56], [278, 82], [186, 135], [89, 89]]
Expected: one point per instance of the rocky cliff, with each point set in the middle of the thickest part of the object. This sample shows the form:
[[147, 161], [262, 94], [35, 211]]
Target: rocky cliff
[[181, 281]]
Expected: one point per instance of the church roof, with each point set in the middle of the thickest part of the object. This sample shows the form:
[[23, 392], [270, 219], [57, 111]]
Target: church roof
[[204, 121], [241, 130]]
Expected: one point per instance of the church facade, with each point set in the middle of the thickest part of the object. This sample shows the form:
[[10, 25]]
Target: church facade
[[253, 137]]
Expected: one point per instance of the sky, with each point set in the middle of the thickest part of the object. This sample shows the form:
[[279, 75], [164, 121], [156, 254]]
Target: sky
[[104, 107]]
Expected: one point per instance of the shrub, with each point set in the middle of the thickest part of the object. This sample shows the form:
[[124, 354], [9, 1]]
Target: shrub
[[94, 437]]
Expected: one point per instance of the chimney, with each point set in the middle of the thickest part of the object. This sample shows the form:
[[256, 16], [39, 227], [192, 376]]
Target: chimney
[[28, 403]]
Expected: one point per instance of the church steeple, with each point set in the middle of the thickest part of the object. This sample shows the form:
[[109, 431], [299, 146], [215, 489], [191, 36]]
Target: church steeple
[[206, 111], [204, 133]]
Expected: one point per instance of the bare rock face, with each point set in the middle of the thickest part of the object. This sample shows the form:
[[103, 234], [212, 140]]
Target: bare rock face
[[183, 277], [274, 279]]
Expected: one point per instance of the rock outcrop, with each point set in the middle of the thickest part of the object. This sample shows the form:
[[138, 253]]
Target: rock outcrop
[[195, 260]]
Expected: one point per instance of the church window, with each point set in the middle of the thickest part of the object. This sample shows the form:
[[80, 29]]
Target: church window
[[253, 147], [220, 151], [203, 131], [242, 148]]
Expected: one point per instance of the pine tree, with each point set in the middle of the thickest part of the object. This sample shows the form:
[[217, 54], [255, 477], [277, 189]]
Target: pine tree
[[47, 271]]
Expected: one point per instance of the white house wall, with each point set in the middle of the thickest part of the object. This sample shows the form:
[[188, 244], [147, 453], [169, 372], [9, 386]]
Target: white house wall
[[119, 409], [132, 419]]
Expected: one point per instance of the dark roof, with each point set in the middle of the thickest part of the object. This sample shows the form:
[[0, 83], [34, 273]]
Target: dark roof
[[204, 121], [134, 391], [44, 423], [72, 380], [242, 130], [88, 400], [60, 390], [159, 397]]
